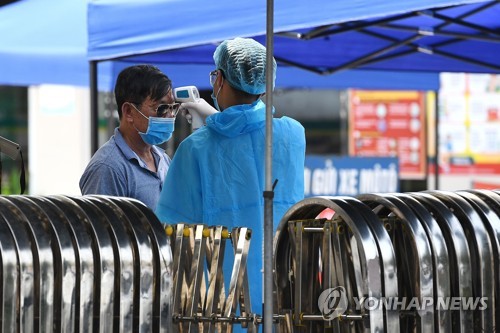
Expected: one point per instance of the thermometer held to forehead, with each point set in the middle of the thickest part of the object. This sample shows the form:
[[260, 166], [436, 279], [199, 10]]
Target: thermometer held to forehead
[[189, 94], [186, 94]]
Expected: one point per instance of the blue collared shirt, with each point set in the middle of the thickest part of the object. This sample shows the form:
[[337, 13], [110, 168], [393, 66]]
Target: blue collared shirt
[[115, 169]]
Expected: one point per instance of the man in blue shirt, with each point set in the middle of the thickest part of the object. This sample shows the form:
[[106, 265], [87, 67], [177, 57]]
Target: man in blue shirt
[[217, 174], [130, 164]]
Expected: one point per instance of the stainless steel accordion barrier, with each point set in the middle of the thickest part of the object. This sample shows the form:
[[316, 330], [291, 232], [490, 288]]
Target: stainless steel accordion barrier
[[202, 302], [83, 264], [403, 262]]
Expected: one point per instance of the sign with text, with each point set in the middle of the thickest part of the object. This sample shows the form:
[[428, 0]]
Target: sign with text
[[332, 175], [469, 122], [390, 124]]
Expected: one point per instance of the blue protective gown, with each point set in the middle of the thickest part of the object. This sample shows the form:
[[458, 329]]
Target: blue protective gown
[[217, 177]]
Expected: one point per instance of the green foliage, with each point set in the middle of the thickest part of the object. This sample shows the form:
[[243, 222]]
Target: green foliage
[[11, 183]]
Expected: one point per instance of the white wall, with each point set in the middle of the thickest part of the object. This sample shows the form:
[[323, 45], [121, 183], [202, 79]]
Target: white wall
[[59, 138]]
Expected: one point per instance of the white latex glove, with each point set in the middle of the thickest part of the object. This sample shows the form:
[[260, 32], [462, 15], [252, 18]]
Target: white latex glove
[[197, 112]]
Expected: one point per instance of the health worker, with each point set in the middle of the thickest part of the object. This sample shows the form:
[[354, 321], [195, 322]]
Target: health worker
[[217, 174]]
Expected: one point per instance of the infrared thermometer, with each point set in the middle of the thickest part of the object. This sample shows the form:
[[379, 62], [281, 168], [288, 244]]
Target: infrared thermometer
[[186, 94], [189, 94]]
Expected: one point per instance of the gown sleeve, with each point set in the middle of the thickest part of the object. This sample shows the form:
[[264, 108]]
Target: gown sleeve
[[180, 198]]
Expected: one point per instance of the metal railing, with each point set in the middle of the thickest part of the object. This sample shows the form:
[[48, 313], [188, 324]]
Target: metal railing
[[202, 302], [405, 262], [402, 262], [83, 264]]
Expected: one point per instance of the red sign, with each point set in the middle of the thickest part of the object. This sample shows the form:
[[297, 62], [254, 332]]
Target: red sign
[[485, 186], [389, 124]]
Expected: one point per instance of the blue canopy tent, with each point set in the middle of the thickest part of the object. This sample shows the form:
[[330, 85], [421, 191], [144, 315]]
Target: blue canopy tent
[[322, 37], [45, 42], [414, 39]]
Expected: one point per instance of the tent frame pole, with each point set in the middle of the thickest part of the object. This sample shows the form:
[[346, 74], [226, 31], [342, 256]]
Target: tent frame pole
[[429, 49], [268, 192], [297, 65], [438, 32], [439, 27], [436, 140], [94, 108], [458, 21], [317, 33], [487, 35], [372, 55]]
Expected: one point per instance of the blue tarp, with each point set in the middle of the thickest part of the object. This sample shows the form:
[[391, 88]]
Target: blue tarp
[[45, 42], [187, 32]]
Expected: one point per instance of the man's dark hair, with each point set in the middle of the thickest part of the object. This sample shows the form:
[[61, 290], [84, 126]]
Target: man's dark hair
[[135, 83]]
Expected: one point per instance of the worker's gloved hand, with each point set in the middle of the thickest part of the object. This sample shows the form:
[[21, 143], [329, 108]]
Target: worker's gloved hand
[[197, 112]]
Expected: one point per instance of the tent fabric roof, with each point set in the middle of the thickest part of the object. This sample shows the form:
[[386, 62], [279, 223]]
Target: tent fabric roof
[[321, 36], [18, 22], [45, 42], [179, 24], [52, 49]]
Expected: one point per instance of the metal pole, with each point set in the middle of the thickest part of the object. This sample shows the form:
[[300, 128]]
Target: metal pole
[[268, 193], [436, 140], [94, 113]]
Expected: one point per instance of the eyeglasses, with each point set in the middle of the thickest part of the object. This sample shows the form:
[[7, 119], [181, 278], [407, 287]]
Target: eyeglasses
[[168, 110], [213, 77], [164, 110]]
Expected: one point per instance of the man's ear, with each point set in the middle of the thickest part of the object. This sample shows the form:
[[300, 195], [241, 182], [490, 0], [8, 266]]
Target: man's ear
[[127, 112]]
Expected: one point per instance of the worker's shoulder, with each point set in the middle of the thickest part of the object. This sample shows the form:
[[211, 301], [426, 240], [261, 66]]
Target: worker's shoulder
[[289, 123], [198, 138]]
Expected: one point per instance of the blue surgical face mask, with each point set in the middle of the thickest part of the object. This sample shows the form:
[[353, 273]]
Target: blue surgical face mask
[[159, 130]]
